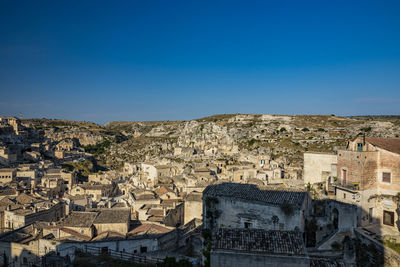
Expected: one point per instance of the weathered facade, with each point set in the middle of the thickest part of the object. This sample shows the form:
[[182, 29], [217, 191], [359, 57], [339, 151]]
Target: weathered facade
[[247, 206], [318, 167], [369, 176]]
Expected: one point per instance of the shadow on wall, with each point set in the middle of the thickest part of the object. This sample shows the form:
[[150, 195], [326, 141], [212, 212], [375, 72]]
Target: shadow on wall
[[335, 225]]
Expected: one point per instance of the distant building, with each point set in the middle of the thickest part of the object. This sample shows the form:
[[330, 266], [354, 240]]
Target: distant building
[[7, 175]]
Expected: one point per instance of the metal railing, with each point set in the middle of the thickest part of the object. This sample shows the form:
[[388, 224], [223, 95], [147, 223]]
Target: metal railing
[[121, 255]]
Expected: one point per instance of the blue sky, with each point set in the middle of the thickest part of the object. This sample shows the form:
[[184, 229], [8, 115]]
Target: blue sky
[[177, 60]]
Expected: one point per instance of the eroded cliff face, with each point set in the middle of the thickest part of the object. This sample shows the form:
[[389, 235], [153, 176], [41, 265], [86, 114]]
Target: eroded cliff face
[[85, 137], [230, 136]]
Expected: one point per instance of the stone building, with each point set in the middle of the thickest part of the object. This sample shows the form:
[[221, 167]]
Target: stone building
[[244, 174], [77, 225], [7, 156], [165, 192], [7, 175], [248, 206], [113, 220], [42, 211], [94, 191], [102, 178], [369, 176], [139, 198], [68, 178]]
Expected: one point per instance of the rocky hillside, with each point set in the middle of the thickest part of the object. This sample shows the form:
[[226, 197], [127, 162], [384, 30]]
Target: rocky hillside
[[230, 136]]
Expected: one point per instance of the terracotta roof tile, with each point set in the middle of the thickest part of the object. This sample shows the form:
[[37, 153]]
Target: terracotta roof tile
[[389, 144], [79, 219], [113, 216], [149, 228]]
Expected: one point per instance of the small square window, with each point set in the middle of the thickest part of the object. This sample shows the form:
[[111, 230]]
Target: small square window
[[386, 177], [388, 218], [247, 225]]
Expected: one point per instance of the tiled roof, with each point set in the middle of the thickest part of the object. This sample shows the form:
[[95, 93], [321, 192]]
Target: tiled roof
[[389, 144], [113, 216], [75, 234], [145, 197], [108, 236], [252, 192], [259, 240], [79, 219], [8, 192], [163, 190], [21, 235], [149, 228], [25, 199]]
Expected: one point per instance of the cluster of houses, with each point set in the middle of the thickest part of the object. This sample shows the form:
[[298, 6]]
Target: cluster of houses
[[221, 212]]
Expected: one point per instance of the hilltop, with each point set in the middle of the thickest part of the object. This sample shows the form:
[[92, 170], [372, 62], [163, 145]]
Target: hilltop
[[226, 136]]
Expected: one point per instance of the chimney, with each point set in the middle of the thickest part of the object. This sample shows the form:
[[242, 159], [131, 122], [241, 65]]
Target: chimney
[[109, 204], [8, 207], [364, 139]]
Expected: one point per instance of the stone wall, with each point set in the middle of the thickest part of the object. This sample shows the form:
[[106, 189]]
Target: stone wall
[[315, 164], [380, 252], [235, 213], [389, 162], [121, 228], [361, 167], [175, 216], [193, 209]]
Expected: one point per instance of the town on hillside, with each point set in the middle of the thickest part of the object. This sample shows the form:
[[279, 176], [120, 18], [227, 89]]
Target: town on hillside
[[226, 190]]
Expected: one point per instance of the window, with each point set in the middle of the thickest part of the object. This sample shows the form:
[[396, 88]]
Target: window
[[143, 249], [386, 177], [359, 147], [388, 218], [104, 250], [247, 225], [344, 195]]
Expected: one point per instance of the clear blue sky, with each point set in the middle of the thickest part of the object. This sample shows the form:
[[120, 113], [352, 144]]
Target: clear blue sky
[[177, 60]]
